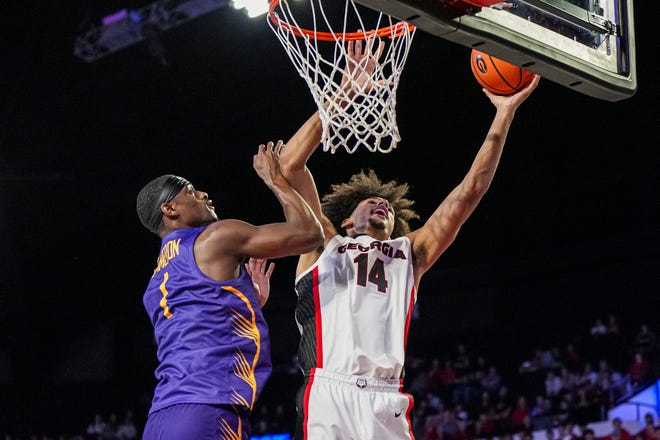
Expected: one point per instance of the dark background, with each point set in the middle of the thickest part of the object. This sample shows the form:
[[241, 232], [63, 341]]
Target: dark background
[[568, 231]]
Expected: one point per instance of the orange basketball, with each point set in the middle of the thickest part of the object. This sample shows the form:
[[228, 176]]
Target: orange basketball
[[498, 76]]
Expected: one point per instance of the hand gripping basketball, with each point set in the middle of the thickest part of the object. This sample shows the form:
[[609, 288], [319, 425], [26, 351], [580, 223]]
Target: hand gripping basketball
[[498, 76]]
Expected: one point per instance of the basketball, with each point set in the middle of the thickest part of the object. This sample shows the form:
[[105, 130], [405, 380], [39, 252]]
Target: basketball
[[498, 76]]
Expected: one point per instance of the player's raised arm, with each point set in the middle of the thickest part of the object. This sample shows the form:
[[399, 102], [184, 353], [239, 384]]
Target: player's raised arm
[[440, 230]]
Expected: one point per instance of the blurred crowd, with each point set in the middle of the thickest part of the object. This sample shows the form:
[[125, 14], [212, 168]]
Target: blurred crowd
[[467, 394]]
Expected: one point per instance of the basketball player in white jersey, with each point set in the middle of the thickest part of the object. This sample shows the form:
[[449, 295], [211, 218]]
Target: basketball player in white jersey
[[357, 291]]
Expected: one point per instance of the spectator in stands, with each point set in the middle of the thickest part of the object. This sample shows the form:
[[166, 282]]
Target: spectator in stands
[[645, 340], [618, 432], [567, 430], [462, 414], [598, 340], [127, 429], [452, 429], [570, 381], [526, 435], [492, 381], [485, 403], [463, 391], [433, 402], [563, 413], [111, 428], [520, 412], [613, 326], [648, 431], [448, 378], [586, 407], [539, 407], [418, 372], [588, 381], [572, 358], [610, 383], [606, 374], [503, 408], [484, 427], [551, 358], [553, 385], [598, 329], [615, 347], [541, 413], [442, 375], [479, 371], [433, 380], [97, 427], [420, 413], [533, 364], [639, 371], [432, 426], [588, 434]]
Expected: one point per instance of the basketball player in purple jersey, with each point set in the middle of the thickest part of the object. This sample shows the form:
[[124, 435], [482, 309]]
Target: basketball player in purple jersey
[[212, 339], [356, 292]]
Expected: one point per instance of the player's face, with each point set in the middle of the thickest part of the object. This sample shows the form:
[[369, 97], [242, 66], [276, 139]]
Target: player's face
[[374, 213], [194, 206]]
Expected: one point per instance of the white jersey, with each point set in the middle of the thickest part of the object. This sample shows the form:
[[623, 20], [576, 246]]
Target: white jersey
[[355, 306]]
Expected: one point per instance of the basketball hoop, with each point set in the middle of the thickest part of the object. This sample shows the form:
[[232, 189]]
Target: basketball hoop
[[370, 118]]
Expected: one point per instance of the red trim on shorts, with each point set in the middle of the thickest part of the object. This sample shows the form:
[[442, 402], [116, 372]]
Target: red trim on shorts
[[411, 403], [308, 390]]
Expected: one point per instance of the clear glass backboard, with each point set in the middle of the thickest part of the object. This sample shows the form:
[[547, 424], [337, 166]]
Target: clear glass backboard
[[585, 45]]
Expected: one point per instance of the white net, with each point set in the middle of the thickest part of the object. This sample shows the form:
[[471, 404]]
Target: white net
[[318, 50]]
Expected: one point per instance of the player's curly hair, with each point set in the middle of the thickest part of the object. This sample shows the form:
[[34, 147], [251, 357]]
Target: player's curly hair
[[341, 201]]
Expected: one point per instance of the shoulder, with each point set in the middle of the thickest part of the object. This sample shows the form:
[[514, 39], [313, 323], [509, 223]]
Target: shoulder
[[222, 235], [403, 239], [182, 235], [222, 228]]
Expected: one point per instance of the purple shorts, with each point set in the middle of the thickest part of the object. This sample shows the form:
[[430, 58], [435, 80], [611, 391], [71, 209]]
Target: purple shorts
[[188, 421]]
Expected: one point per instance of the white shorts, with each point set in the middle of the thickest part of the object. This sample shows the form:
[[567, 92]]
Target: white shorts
[[335, 406]]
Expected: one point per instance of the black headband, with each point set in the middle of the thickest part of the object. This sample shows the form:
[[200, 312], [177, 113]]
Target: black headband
[[171, 187]]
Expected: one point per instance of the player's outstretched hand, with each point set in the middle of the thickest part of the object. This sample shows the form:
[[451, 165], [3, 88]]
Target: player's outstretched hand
[[256, 267], [360, 64], [516, 99], [267, 162]]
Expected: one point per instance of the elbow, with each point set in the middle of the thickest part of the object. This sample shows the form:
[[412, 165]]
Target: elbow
[[292, 171], [312, 238], [286, 166], [291, 165], [318, 236], [476, 188]]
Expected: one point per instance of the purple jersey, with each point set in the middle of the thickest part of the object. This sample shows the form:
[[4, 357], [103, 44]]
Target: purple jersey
[[212, 339]]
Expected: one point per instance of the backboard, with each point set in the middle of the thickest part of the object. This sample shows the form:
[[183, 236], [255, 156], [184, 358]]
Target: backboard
[[585, 45]]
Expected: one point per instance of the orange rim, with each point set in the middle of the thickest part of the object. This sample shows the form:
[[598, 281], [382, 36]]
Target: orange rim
[[391, 31]]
